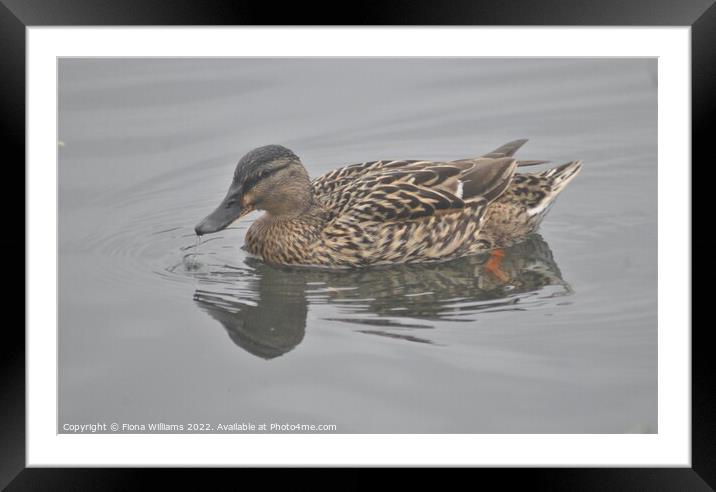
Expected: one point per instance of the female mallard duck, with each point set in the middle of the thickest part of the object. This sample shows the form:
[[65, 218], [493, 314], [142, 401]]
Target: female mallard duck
[[386, 212]]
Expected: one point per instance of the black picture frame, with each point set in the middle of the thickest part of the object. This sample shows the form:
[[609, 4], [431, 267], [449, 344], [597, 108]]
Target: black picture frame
[[16, 15]]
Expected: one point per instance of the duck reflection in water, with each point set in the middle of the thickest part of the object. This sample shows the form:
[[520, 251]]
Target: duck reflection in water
[[268, 317]]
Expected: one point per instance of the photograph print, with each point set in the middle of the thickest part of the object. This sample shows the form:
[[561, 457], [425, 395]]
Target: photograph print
[[357, 245]]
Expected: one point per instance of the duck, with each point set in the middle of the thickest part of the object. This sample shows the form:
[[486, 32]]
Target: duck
[[388, 211]]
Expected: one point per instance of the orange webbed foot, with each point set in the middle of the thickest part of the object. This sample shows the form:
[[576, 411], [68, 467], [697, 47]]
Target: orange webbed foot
[[494, 265]]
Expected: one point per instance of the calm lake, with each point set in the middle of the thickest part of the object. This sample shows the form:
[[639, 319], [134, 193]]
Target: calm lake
[[154, 327]]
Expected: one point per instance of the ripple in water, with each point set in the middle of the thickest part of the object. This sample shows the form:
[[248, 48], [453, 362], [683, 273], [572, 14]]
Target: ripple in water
[[190, 260]]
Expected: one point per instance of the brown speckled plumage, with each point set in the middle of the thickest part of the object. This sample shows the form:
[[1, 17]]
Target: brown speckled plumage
[[386, 212]]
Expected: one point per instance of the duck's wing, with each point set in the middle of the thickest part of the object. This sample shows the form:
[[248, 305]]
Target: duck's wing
[[344, 176], [506, 150], [341, 177], [509, 149], [422, 189], [488, 178]]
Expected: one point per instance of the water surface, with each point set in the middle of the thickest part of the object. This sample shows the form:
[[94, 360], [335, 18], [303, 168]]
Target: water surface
[[154, 329]]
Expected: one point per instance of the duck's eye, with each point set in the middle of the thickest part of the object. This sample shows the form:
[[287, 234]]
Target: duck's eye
[[230, 203]]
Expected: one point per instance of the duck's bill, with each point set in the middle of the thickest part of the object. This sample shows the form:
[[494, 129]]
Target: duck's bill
[[219, 219]]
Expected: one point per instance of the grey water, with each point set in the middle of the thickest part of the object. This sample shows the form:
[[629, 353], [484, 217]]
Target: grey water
[[156, 328]]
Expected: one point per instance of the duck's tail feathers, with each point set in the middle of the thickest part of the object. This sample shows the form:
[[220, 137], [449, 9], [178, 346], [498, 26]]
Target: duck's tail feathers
[[560, 176], [548, 185]]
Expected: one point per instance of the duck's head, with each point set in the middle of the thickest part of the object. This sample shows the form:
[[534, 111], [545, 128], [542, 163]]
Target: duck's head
[[269, 178]]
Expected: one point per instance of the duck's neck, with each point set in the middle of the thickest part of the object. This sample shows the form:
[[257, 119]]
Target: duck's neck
[[291, 199], [286, 238]]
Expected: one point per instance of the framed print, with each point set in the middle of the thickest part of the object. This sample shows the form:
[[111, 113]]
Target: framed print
[[421, 238]]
